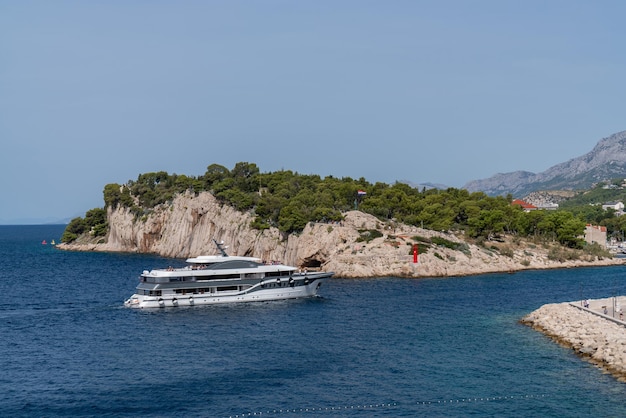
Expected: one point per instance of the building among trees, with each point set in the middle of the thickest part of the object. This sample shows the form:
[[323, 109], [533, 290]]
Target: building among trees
[[527, 207], [595, 233]]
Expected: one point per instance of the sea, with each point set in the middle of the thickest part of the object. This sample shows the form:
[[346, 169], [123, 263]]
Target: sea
[[383, 347]]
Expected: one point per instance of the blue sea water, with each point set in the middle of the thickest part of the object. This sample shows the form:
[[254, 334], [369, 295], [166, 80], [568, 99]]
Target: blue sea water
[[384, 347]]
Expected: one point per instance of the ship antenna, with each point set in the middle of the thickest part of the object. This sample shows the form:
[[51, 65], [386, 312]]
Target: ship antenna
[[220, 246]]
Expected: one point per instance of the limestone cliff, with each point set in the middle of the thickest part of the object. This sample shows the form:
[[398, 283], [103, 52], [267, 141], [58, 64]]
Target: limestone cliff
[[187, 226]]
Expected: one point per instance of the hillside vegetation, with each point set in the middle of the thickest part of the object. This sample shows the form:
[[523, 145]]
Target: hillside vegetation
[[288, 201], [587, 205]]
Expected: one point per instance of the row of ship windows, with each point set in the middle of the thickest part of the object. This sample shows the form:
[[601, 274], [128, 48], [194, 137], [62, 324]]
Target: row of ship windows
[[202, 291], [224, 277]]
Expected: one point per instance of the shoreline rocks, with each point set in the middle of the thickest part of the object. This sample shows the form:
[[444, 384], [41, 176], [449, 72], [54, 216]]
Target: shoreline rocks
[[594, 335], [359, 246]]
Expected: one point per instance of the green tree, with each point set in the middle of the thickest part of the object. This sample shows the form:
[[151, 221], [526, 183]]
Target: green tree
[[246, 176], [76, 227], [238, 199], [214, 174], [291, 218], [488, 224], [95, 216]]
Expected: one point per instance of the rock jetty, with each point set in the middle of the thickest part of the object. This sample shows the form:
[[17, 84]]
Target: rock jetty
[[596, 333], [359, 246]]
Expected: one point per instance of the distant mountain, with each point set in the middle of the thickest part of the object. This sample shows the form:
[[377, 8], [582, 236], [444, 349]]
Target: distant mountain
[[607, 160], [421, 186]]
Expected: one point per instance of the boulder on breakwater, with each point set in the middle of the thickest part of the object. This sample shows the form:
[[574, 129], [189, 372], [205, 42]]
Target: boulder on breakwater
[[596, 333]]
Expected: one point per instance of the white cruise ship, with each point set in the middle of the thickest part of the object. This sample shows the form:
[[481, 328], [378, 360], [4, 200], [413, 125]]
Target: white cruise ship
[[223, 279]]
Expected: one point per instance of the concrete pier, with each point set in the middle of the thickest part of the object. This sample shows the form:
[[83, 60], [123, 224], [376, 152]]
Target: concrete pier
[[596, 333]]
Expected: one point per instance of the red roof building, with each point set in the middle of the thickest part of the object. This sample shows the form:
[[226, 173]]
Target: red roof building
[[527, 207]]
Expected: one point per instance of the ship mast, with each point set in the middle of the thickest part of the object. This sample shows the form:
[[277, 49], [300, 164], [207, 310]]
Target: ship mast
[[221, 247]]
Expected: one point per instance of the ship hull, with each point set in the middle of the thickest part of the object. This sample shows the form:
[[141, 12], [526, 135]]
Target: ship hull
[[265, 290]]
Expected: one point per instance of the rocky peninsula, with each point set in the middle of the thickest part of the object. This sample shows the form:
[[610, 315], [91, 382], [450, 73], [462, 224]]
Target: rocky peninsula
[[359, 246], [596, 333]]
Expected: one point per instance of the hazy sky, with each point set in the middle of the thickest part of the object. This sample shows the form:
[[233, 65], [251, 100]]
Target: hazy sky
[[98, 92]]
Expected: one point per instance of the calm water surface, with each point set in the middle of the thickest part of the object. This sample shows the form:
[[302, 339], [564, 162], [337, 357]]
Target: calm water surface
[[383, 347]]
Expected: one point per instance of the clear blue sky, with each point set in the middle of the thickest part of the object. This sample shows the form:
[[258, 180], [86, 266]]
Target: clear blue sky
[[98, 92]]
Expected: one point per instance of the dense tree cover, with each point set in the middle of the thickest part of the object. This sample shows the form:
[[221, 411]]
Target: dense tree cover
[[288, 200], [95, 223]]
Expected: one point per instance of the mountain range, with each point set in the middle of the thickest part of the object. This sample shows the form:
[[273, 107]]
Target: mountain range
[[606, 161]]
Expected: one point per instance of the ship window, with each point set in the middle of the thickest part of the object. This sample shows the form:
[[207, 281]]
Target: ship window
[[227, 288], [231, 276], [155, 293]]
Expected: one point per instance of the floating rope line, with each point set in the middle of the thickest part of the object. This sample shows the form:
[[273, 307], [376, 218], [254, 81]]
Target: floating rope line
[[484, 399], [383, 405], [319, 409]]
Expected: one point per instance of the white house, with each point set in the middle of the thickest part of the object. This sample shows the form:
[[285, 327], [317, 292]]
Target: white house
[[616, 206]]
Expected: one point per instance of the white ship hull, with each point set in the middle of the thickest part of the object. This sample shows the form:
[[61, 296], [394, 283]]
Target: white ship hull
[[253, 294], [214, 279]]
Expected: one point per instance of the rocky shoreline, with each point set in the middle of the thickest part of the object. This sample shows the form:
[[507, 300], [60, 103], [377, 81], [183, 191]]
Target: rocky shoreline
[[596, 333], [359, 246]]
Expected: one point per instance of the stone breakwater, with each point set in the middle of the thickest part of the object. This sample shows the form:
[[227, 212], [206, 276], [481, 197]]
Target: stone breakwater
[[595, 333]]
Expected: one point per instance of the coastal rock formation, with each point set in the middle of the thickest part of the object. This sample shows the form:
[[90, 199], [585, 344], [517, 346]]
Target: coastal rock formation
[[593, 335], [359, 246]]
